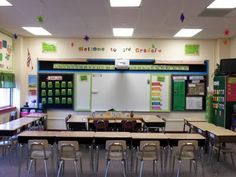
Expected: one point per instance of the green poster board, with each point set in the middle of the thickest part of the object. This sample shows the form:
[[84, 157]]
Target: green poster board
[[179, 95], [192, 49]]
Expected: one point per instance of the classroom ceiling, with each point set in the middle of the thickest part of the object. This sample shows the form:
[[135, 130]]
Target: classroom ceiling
[[95, 18]]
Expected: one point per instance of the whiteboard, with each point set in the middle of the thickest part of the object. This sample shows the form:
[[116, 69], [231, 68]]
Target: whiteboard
[[121, 91], [82, 96]]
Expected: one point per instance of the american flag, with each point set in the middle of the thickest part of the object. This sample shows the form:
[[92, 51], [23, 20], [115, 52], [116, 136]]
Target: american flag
[[29, 61]]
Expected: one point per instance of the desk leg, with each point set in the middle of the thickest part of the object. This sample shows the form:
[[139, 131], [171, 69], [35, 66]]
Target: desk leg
[[19, 159]]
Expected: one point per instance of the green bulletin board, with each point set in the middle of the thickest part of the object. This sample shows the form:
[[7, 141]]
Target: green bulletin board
[[179, 94]]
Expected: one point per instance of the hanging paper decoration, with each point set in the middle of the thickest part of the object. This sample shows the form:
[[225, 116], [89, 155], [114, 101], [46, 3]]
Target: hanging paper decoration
[[40, 19], [225, 41], [15, 36], [182, 17], [153, 46], [226, 32], [72, 44], [86, 38], [29, 61]]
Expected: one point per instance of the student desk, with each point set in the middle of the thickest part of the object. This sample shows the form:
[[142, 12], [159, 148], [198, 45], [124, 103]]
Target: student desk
[[114, 121], [221, 135], [191, 119], [153, 122], [78, 123], [13, 127], [42, 116]]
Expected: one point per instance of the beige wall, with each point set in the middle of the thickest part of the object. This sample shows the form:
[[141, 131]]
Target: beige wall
[[170, 50]]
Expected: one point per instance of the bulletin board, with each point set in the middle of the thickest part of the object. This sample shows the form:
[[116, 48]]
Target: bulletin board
[[6, 53], [56, 90]]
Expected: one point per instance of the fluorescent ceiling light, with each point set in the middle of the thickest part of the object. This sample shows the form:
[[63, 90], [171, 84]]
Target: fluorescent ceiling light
[[187, 32], [123, 32], [222, 4], [125, 3], [38, 31], [5, 3]]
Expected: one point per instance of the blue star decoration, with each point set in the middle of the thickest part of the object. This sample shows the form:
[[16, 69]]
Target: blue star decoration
[[182, 17], [86, 38]]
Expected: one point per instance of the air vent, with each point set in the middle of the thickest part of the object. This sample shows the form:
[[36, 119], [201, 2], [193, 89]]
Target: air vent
[[215, 12]]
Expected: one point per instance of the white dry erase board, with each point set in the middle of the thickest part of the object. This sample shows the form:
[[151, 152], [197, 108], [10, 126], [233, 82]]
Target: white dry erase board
[[82, 90], [121, 91]]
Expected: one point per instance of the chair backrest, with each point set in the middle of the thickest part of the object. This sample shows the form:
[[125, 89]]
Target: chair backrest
[[13, 115], [68, 149], [101, 125], [116, 149], [128, 125], [187, 149], [149, 149], [66, 121], [38, 145]]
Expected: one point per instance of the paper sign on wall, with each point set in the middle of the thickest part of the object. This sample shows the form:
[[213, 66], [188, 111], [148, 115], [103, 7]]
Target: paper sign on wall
[[192, 49], [49, 47]]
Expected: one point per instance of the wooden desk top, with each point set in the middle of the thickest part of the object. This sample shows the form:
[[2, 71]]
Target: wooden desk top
[[37, 115], [194, 119], [78, 118], [185, 136], [220, 131], [112, 135], [37, 134], [204, 126], [152, 119], [148, 136], [82, 134], [16, 124]]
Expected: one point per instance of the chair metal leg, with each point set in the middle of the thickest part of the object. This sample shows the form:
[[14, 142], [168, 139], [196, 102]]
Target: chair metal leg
[[107, 167], [190, 166], [76, 169], [136, 166], [178, 172], [45, 167], [29, 169], [173, 165], [141, 169], [91, 157], [97, 160], [195, 166], [232, 158], [81, 165], [124, 167], [59, 169], [153, 167], [156, 167]]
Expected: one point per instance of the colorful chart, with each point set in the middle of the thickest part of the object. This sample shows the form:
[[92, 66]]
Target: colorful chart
[[160, 93]]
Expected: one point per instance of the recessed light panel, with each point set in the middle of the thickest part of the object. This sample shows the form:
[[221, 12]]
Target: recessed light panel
[[123, 32], [38, 31], [222, 4], [187, 32], [5, 3], [125, 3]]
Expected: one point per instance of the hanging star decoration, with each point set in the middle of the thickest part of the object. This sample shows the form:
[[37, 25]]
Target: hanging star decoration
[[86, 38], [182, 17], [15, 36], [226, 33], [40, 19]]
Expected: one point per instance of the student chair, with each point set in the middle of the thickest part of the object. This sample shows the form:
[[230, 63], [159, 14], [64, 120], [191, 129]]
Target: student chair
[[116, 150], [69, 151], [13, 115], [187, 150], [66, 122], [224, 149], [148, 151], [38, 150], [128, 125], [101, 125]]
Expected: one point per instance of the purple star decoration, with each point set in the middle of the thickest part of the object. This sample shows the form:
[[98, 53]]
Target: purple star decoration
[[86, 38], [182, 17]]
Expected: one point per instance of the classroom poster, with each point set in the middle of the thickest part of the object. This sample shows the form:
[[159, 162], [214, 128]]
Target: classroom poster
[[160, 93], [5, 53]]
